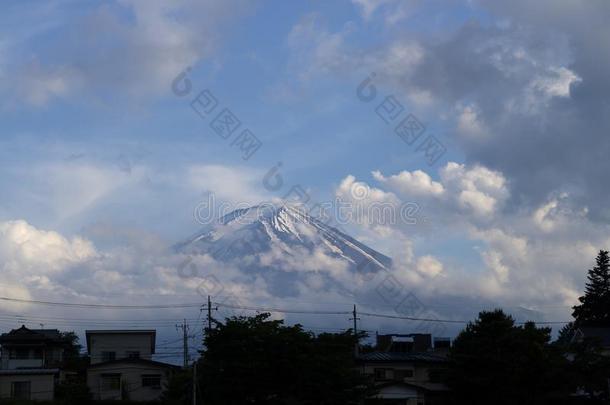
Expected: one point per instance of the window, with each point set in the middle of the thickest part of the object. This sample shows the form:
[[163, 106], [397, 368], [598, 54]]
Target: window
[[380, 373], [20, 390], [436, 376], [108, 356], [132, 354], [402, 374], [20, 354], [38, 354], [111, 382], [151, 381]]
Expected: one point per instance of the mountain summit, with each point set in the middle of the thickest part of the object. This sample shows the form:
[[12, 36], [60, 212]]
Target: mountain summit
[[282, 238]]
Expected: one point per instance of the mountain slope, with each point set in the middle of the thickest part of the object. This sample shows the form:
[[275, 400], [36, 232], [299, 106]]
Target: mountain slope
[[282, 238]]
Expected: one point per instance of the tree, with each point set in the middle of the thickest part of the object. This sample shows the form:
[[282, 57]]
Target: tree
[[590, 370], [73, 390], [256, 360], [590, 367], [594, 308], [493, 361], [72, 358], [179, 389], [566, 333]]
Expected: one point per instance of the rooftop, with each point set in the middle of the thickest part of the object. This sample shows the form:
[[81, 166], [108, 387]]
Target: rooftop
[[24, 333], [422, 357], [603, 334]]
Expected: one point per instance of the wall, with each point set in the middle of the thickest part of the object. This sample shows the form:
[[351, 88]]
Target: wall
[[131, 381], [420, 371], [42, 386], [120, 343], [52, 358]]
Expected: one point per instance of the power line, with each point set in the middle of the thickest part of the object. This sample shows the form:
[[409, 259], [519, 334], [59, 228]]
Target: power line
[[408, 318], [286, 311], [250, 308], [103, 306]]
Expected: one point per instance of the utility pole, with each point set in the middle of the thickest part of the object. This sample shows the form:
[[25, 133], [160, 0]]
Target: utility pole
[[209, 308], [185, 342], [195, 383], [356, 319]]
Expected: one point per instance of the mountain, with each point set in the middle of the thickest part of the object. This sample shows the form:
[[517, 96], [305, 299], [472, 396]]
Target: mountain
[[280, 241], [287, 248]]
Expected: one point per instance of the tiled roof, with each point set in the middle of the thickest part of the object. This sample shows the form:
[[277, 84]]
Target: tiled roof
[[30, 371], [24, 333], [428, 386], [402, 357]]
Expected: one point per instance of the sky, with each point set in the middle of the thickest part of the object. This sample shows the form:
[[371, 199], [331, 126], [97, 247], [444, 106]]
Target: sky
[[107, 147]]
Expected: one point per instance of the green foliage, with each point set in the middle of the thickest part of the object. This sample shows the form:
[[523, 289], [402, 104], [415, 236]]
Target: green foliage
[[179, 390], [566, 333], [493, 361], [590, 370], [72, 348], [594, 308], [72, 359], [261, 361]]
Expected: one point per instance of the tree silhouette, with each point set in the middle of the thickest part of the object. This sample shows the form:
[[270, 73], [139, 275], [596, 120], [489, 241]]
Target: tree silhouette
[[256, 360], [493, 361], [594, 308]]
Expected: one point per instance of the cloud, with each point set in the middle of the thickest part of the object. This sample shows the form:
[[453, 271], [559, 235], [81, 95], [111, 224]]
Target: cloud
[[474, 190], [315, 50], [127, 47], [411, 183], [469, 122], [534, 257], [27, 250], [393, 10], [238, 185], [477, 189], [524, 92]]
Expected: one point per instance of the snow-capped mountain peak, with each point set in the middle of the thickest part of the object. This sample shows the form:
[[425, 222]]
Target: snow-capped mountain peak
[[257, 231]]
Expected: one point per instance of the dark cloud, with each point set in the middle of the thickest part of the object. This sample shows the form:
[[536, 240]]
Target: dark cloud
[[539, 83]]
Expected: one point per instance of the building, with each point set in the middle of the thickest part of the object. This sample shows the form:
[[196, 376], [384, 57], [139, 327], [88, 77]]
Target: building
[[122, 366], [109, 345], [407, 370], [597, 335], [30, 363]]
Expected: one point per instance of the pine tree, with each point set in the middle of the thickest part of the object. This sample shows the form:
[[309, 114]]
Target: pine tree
[[594, 308], [565, 335]]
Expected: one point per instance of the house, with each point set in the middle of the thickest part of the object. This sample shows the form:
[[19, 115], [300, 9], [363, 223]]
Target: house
[[407, 370], [29, 363], [122, 366], [598, 335]]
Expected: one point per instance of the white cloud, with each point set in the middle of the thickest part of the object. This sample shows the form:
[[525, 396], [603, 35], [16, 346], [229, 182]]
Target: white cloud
[[429, 266], [102, 52], [238, 185], [534, 257], [411, 183], [557, 83], [315, 50], [27, 250], [394, 10], [477, 189], [469, 122]]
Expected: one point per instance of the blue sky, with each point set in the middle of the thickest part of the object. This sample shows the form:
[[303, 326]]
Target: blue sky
[[101, 161], [319, 130]]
